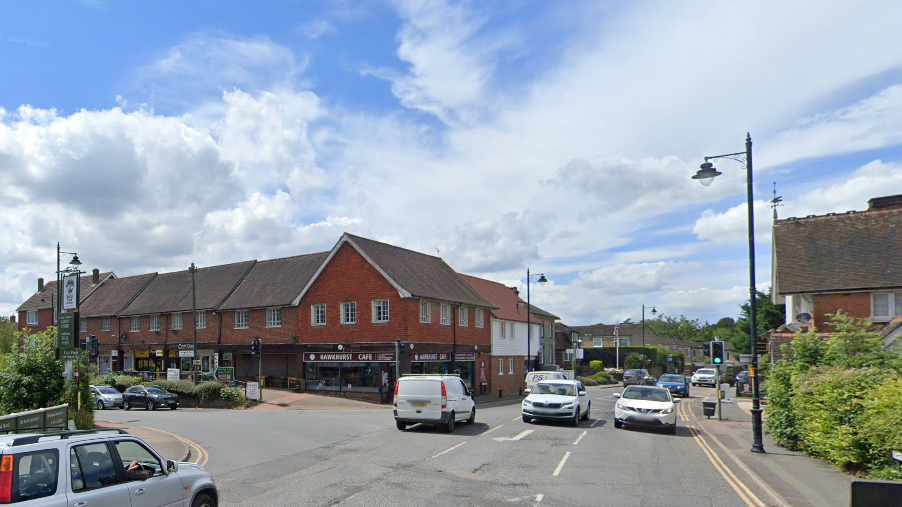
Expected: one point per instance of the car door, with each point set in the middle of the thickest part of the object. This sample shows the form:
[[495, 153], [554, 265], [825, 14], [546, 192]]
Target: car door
[[466, 401], [163, 489], [94, 479]]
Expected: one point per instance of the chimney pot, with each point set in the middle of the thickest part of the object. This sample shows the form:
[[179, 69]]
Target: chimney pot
[[95, 276], [40, 284]]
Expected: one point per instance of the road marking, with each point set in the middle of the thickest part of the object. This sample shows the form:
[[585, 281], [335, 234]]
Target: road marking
[[518, 437], [744, 493], [493, 429], [517, 418], [202, 455], [580, 438], [594, 423], [539, 498], [561, 465], [448, 450]]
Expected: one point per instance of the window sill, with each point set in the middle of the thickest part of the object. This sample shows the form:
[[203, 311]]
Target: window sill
[[274, 327], [349, 323]]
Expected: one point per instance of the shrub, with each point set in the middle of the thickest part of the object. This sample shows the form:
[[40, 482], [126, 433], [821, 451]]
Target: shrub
[[596, 365], [881, 421], [208, 391], [589, 381], [231, 394], [179, 387], [634, 360], [121, 382]]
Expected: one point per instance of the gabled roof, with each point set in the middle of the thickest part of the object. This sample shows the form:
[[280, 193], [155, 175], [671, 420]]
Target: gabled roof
[[508, 303], [43, 299], [275, 282], [412, 274], [171, 292], [836, 253], [114, 295]]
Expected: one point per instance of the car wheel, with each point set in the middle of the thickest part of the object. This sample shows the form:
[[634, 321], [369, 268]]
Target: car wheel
[[450, 426], [472, 417], [173, 407], [99, 404], [672, 430], [401, 425], [203, 500], [151, 405], [617, 424], [575, 421], [527, 419], [126, 405], [586, 415]]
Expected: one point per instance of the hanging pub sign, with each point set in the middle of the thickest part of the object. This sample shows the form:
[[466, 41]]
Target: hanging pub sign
[[70, 292], [348, 357]]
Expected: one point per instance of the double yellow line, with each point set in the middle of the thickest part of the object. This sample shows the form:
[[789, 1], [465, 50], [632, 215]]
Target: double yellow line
[[750, 499], [195, 449]]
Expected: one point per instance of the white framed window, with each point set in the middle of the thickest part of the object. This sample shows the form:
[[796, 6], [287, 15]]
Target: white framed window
[[104, 323], [425, 312], [201, 319], [318, 315], [154, 323], [349, 312], [621, 342], [510, 366], [128, 361], [480, 318], [463, 316], [598, 342], [242, 319], [885, 305], [136, 324], [83, 325], [568, 356], [445, 314], [177, 321], [501, 367], [273, 317], [503, 330], [510, 331], [380, 311], [31, 318]]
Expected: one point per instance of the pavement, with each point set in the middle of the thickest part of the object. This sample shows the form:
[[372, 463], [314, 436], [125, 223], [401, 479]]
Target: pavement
[[779, 477]]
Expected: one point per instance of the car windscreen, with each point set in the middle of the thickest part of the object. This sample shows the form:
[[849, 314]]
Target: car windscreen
[[559, 389], [155, 390], [670, 378], [705, 371], [107, 390], [660, 394], [633, 372]]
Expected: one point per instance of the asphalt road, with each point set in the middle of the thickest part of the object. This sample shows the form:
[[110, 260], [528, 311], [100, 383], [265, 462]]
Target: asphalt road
[[358, 458]]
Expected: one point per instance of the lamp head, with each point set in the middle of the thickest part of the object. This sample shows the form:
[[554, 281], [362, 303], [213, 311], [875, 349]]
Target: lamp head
[[543, 280], [707, 173], [653, 311], [75, 261]]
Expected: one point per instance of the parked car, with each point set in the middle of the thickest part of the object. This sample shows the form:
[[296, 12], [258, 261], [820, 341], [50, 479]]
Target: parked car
[[705, 376], [648, 406], [557, 400], [640, 377], [91, 467], [433, 399], [676, 384], [742, 379], [534, 377], [149, 397], [106, 396]]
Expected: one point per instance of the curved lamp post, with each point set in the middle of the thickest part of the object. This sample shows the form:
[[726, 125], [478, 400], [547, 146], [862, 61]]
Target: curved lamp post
[[542, 281], [705, 175]]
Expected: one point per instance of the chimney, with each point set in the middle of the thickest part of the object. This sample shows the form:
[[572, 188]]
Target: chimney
[[516, 290], [888, 202], [95, 276], [40, 284], [12, 319]]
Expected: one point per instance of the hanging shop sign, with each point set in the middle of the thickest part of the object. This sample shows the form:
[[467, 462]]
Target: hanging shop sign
[[443, 357]]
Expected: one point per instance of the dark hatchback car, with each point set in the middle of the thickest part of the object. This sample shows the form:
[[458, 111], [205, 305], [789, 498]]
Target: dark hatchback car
[[149, 397], [742, 379], [678, 385], [638, 377]]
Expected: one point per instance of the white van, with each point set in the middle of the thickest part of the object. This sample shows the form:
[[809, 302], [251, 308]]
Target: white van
[[534, 377], [433, 399]]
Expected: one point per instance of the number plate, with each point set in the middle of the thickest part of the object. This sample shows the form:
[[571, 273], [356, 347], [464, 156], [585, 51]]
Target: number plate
[[419, 404]]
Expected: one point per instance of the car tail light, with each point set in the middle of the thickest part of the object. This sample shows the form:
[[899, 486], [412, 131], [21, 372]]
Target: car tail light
[[444, 396], [6, 479], [398, 383]]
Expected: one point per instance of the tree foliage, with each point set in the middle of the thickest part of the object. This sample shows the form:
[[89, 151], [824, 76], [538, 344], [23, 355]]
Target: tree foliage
[[33, 378], [9, 336]]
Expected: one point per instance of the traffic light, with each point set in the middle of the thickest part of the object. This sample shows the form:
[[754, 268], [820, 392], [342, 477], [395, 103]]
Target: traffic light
[[717, 354], [255, 348], [95, 346]]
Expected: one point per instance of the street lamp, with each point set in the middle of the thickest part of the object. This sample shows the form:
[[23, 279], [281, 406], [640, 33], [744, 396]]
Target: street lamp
[[705, 175], [542, 281], [193, 270], [653, 313]]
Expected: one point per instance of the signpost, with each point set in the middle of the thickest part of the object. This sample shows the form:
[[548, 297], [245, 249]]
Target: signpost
[[253, 391], [66, 331]]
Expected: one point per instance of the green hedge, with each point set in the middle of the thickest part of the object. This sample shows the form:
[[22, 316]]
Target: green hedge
[[205, 392]]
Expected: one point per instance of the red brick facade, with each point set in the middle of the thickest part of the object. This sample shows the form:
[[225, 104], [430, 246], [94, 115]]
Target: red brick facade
[[857, 304]]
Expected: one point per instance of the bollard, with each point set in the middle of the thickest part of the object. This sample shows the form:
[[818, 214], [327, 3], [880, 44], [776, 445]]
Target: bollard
[[499, 394], [520, 392]]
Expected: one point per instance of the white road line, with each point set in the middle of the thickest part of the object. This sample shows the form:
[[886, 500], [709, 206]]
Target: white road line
[[493, 429], [448, 450], [561, 465], [518, 437], [580, 438], [539, 498], [517, 418], [596, 422]]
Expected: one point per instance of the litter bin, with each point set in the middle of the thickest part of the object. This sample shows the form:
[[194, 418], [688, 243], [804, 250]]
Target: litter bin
[[710, 408]]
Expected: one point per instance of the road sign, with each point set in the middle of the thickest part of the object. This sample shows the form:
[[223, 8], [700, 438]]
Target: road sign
[[69, 354], [66, 331], [186, 353], [253, 391]]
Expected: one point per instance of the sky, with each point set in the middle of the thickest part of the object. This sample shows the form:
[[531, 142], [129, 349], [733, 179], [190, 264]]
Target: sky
[[505, 136]]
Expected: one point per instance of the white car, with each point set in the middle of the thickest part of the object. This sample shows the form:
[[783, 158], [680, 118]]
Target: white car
[[706, 376], [433, 399], [646, 406], [534, 377], [557, 400]]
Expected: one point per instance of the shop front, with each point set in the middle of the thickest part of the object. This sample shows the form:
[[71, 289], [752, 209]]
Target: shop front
[[440, 363], [361, 375]]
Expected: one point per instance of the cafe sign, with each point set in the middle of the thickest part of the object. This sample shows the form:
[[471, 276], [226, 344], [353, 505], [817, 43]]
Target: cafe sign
[[348, 357], [443, 357]]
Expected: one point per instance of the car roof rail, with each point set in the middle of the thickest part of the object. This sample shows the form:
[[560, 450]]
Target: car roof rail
[[62, 435]]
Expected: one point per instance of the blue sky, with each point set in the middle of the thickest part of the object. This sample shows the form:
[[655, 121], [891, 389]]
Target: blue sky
[[504, 135]]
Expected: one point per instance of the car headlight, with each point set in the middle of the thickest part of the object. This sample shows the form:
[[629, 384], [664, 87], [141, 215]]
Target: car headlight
[[666, 411], [567, 405], [527, 403], [627, 408]]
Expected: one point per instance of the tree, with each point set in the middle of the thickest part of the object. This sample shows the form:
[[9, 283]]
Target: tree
[[34, 378], [677, 328], [9, 336]]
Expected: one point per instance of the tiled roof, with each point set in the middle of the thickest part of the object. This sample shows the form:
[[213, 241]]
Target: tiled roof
[[508, 303], [419, 275], [114, 295], [171, 292], [85, 287], [832, 253], [275, 282]]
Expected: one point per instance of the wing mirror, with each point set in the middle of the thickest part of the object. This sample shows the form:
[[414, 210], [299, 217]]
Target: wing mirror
[[172, 466], [616, 395]]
